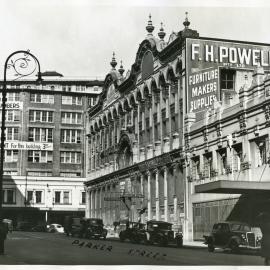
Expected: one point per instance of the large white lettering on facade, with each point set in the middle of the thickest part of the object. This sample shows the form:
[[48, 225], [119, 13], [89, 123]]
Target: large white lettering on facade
[[227, 54], [203, 86]]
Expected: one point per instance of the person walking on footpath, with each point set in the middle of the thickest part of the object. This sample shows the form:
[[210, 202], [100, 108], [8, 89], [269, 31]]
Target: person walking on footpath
[[3, 236], [264, 223]]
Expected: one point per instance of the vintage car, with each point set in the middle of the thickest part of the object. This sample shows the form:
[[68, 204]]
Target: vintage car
[[88, 228], [233, 235], [160, 232], [133, 231]]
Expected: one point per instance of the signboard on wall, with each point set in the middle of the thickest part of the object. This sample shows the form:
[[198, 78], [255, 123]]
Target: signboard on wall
[[15, 105], [20, 145], [204, 60]]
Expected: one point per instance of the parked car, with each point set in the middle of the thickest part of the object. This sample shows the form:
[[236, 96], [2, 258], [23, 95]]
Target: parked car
[[9, 224], [93, 228], [133, 231], [233, 235], [24, 226], [160, 232], [56, 228], [88, 228]]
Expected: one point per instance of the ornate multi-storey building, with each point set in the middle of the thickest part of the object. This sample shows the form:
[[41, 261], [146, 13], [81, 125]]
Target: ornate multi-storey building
[[44, 166], [146, 123]]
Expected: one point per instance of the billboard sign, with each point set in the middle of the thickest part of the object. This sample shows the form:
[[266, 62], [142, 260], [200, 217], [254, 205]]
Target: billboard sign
[[204, 60]]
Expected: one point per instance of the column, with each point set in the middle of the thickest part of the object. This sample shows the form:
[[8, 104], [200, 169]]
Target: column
[[152, 117], [101, 204], [93, 203], [142, 200], [168, 102], [161, 119], [149, 205], [175, 199], [96, 203], [138, 129], [87, 203], [157, 194], [165, 169]]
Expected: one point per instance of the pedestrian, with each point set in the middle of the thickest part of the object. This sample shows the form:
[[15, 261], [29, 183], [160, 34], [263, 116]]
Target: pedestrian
[[3, 236], [264, 223]]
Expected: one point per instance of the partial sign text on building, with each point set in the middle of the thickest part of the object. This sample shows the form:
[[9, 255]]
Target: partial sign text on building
[[19, 145], [204, 60]]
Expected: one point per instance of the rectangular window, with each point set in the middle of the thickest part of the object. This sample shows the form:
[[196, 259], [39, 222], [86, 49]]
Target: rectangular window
[[38, 196], [11, 155], [40, 156], [66, 197], [29, 195], [8, 196], [71, 100], [227, 79], [70, 157], [12, 133], [41, 98], [57, 197], [70, 136], [40, 134], [83, 201]]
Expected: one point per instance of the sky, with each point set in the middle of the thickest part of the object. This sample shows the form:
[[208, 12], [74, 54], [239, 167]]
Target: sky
[[78, 37]]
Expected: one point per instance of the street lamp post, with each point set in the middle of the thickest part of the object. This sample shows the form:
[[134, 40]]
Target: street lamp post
[[25, 64]]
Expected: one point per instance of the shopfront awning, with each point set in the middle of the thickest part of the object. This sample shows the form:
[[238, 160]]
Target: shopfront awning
[[233, 187]]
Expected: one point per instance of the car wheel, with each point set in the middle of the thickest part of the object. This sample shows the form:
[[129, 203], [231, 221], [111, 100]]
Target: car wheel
[[211, 248], [104, 237], [234, 246]]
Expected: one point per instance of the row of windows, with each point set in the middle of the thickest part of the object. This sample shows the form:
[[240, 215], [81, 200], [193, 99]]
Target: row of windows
[[45, 173], [45, 135], [259, 148], [47, 157], [40, 135], [71, 136], [40, 116], [68, 88], [37, 196], [49, 99], [44, 116], [12, 97], [71, 118]]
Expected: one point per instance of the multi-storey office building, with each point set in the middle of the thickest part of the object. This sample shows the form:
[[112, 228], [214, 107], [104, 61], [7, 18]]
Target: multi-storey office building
[[44, 167], [139, 149]]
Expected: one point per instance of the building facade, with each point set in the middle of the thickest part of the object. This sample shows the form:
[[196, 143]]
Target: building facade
[[145, 133], [44, 166]]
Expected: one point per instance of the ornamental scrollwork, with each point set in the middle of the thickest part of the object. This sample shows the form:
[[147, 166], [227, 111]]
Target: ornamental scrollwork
[[22, 64]]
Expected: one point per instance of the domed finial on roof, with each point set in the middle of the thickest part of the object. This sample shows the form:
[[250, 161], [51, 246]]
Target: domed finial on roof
[[150, 28], [121, 69], [186, 23], [161, 32], [113, 62]]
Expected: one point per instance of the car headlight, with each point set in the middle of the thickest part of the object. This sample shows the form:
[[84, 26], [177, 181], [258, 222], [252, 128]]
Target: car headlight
[[244, 237]]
